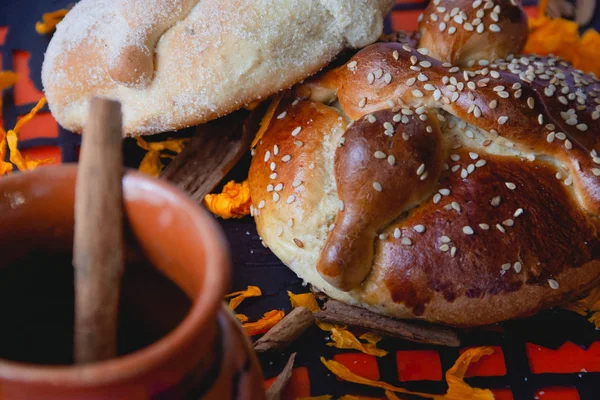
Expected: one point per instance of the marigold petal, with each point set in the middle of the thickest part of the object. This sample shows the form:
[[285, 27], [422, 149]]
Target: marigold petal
[[233, 202], [49, 21], [238, 297], [457, 388], [344, 339], [263, 325], [306, 300]]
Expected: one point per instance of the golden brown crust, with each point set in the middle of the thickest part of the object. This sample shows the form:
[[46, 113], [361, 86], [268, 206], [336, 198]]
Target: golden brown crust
[[507, 222], [466, 31]]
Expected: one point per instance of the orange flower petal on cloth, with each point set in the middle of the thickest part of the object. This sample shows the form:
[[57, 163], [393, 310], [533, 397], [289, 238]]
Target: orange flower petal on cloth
[[151, 163], [5, 167], [49, 21], [561, 38], [344, 339], [306, 300], [233, 202], [457, 388], [238, 297], [12, 139], [263, 325], [241, 317]]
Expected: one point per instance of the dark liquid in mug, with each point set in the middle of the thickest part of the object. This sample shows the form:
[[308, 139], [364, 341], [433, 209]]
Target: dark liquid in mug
[[37, 308]]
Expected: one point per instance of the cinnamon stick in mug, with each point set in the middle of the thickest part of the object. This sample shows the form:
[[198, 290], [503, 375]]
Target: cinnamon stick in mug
[[98, 247]]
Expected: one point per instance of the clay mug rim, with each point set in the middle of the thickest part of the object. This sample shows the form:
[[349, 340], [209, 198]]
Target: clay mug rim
[[204, 307]]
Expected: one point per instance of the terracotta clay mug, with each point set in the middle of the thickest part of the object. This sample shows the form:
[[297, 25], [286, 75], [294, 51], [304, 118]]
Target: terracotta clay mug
[[176, 256]]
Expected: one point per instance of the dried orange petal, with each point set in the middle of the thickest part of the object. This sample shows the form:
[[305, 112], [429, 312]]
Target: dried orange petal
[[306, 300], [344, 339], [49, 21], [266, 120], [268, 321], [238, 297], [233, 202], [457, 388]]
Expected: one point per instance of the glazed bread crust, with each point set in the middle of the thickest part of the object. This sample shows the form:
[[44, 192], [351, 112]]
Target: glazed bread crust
[[419, 189], [178, 63]]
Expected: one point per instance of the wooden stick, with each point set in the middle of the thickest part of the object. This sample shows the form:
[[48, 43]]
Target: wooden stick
[[98, 248], [213, 151], [421, 332], [277, 388], [286, 331]]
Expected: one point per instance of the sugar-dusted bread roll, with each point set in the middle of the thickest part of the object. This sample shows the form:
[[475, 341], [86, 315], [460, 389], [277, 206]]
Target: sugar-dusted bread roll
[[177, 63], [417, 188]]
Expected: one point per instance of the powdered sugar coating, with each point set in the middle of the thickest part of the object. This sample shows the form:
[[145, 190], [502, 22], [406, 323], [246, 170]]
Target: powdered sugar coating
[[216, 58]]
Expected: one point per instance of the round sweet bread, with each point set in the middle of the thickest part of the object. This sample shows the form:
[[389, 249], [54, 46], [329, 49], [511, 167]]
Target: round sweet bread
[[178, 63], [417, 188]]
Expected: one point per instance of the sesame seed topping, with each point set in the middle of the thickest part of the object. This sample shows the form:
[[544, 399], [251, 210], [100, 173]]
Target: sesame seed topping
[[282, 115], [380, 155], [352, 64], [502, 120], [445, 239], [275, 197], [296, 183], [506, 267], [508, 222], [419, 228], [421, 169], [511, 185], [267, 155], [291, 199], [518, 267], [371, 118], [406, 241], [467, 230], [553, 284], [363, 102], [397, 233], [377, 186], [494, 28], [417, 93], [396, 55], [286, 158], [485, 227], [444, 248], [296, 131], [444, 192], [391, 160], [500, 228], [550, 137], [383, 236], [272, 166], [442, 26], [279, 187], [455, 206], [495, 202], [261, 204], [568, 144], [387, 78], [411, 81], [273, 175], [437, 197], [279, 230]]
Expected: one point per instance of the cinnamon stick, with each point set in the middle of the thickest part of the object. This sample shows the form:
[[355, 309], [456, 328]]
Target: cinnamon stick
[[98, 243], [277, 388], [286, 331], [211, 153], [421, 332]]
